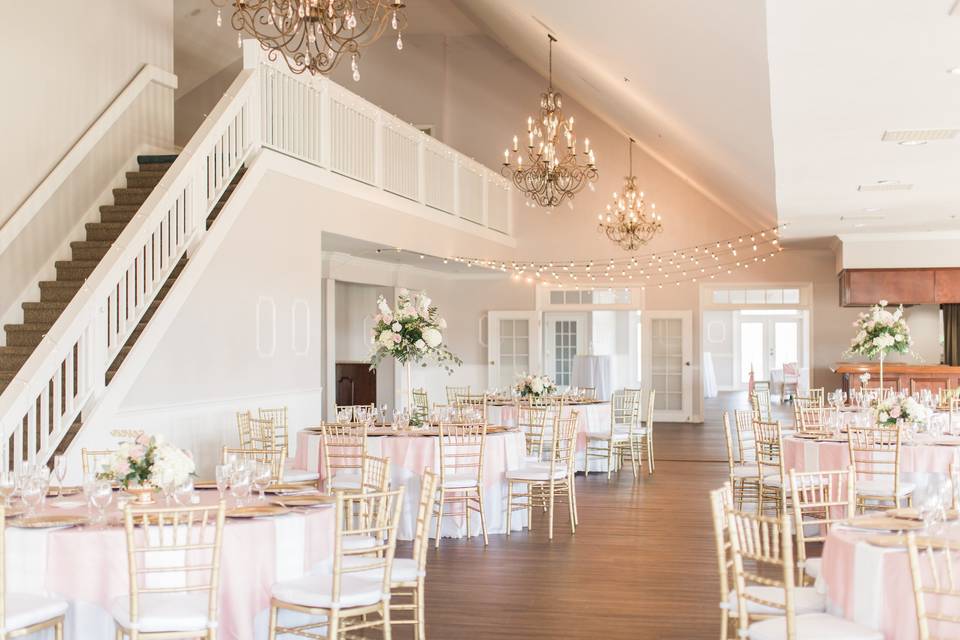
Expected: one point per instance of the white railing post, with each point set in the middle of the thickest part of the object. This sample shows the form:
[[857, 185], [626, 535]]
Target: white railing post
[[421, 169], [379, 157], [456, 209]]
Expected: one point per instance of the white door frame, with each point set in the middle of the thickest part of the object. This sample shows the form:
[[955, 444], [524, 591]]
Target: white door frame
[[493, 341], [583, 320], [685, 414]]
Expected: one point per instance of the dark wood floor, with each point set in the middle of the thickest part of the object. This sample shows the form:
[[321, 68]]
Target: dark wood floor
[[641, 565]]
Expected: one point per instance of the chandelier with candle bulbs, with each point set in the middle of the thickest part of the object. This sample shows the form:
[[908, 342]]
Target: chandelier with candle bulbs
[[548, 169], [627, 222], [314, 35]]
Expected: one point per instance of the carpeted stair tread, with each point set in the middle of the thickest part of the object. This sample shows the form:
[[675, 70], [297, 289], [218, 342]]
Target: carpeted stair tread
[[42, 311], [131, 196], [75, 269], [108, 231]]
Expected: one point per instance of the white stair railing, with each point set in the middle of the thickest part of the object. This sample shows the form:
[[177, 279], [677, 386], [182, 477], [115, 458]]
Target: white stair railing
[[312, 119]]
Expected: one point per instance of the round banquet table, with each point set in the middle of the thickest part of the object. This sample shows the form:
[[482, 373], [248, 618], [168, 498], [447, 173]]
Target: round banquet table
[[919, 460], [592, 417], [410, 453], [871, 585], [87, 565]]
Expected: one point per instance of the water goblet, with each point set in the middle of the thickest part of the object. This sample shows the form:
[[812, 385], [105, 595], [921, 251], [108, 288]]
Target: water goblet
[[89, 483], [101, 498], [240, 484], [184, 492], [8, 486], [32, 492], [262, 475], [60, 471], [222, 472]]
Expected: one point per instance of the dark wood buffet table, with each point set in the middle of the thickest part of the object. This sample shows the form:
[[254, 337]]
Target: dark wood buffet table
[[900, 377]]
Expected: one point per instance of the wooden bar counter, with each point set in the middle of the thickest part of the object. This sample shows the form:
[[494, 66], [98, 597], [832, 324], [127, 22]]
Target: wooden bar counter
[[900, 377]]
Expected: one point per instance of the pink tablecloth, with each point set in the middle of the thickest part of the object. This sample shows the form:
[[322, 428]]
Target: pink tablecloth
[[915, 459], [591, 418], [88, 566], [871, 585], [410, 454]]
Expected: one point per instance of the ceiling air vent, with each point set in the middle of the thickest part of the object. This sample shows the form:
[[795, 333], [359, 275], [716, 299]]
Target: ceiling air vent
[[886, 186], [919, 135]]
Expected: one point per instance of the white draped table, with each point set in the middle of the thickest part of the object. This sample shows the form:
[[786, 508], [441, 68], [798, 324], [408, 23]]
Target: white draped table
[[87, 566], [411, 453], [592, 417]]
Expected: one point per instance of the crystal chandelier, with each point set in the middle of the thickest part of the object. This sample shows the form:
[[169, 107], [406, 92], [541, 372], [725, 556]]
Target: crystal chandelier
[[627, 221], [552, 172], [313, 35]]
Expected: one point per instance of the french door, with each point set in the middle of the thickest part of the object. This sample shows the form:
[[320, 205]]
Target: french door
[[766, 344], [564, 336], [667, 352], [513, 346]]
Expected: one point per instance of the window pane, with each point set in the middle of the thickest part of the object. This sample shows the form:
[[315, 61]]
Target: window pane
[[791, 296], [556, 297], [775, 296], [721, 296]]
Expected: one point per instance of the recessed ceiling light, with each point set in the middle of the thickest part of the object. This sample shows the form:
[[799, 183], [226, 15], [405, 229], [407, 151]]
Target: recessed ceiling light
[[912, 143]]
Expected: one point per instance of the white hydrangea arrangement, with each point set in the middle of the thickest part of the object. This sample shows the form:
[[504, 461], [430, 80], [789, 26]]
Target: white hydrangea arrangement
[[149, 461], [536, 386], [410, 332], [880, 332], [900, 408]]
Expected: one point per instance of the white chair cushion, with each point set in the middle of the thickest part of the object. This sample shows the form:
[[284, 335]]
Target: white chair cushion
[[812, 626], [812, 566], [883, 487], [354, 541], [616, 436], [460, 480], [26, 609], [300, 475], [315, 590], [746, 471], [345, 480], [404, 569], [537, 471], [164, 612], [805, 600], [774, 481]]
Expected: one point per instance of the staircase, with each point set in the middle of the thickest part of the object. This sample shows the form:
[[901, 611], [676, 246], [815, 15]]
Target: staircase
[[39, 316]]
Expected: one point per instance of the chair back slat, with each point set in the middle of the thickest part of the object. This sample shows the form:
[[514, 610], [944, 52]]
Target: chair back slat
[[93, 460], [461, 450], [875, 455], [935, 574], [276, 458], [746, 441], [820, 499], [533, 422], [280, 426], [343, 447], [243, 429], [454, 392]]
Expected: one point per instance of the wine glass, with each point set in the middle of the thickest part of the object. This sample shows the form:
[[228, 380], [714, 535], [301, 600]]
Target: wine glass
[[89, 483], [262, 475], [32, 493], [60, 471], [223, 478], [8, 486], [101, 498], [240, 480], [184, 492], [167, 487]]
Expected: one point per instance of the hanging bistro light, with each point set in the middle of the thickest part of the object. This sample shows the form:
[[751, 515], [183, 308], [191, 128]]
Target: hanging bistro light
[[627, 221], [552, 171], [313, 35]]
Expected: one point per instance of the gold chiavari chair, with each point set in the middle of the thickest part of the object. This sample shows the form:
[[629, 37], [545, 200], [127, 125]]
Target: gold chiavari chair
[[934, 563], [768, 439], [532, 421], [22, 614], [760, 403], [173, 557], [455, 392], [875, 458], [588, 393], [768, 602], [639, 441], [93, 460], [954, 424], [375, 477], [343, 448], [547, 481], [353, 594], [744, 481], [409, 574], [624, 416], [350, 413], [461, 473], [811, 418], [243, 429], [817, 396], [820, 499], [476, 403], [721, 500], [262, 433], [421, 403], [280, 426], [273, 457]]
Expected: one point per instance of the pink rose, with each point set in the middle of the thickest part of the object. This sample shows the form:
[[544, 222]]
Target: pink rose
[[137, 452], [143, 440], [122, 468], [388, 318], [895, 412], [397, 339]]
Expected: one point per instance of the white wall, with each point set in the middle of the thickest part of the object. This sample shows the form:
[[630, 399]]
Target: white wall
[[356, 305], [54, 94], [718, 339], [901, 250]]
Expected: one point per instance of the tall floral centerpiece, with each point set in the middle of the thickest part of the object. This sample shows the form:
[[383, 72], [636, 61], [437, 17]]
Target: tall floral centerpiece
[[880, 332], [535, 386], [411, 332], [148, 462]]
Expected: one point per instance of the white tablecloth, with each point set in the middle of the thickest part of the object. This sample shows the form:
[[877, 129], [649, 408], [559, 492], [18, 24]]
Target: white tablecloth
[[593, 371], [709, 376]]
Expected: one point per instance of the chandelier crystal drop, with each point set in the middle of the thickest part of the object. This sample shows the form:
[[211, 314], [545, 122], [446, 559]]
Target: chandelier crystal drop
[[548, 170], [627, 222], [313, 35]]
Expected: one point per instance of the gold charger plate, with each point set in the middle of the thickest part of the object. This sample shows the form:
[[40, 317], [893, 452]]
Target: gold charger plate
[[303, 501], [257, 511], [884, 523], [912, 513], [52, 492], [47, 521], [291, 486]]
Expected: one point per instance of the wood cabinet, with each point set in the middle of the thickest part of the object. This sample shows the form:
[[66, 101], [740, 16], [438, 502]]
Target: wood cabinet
[[864, 287], [899, 377]]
